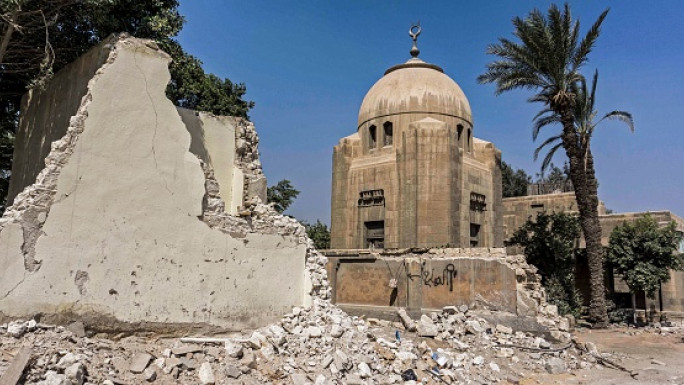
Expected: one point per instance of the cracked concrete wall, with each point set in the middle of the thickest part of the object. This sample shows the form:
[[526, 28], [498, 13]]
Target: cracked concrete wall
[[213, 141], [117, 219]]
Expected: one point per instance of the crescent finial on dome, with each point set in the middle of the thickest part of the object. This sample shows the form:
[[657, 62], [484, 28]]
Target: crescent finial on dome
[[414, 31]]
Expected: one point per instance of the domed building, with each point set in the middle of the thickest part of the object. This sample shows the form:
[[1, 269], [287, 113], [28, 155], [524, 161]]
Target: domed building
[[413, 175]]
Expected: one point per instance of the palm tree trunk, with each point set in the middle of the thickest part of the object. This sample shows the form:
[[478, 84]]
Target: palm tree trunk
[[583, 179], [7, 35]]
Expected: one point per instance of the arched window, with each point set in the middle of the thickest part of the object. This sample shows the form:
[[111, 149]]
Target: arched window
[[387, 128], [459, 128], [372, 137], [469, 137]]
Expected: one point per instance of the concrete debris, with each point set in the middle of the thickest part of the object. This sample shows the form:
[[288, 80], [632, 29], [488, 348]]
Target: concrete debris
[[206, 374], [139, 362], [306, 347]]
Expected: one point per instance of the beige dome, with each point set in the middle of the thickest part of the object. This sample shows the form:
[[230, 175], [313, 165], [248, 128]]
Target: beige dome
[[414, 87]]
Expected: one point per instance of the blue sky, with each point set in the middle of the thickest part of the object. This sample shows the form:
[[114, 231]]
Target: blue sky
[[308, 65]]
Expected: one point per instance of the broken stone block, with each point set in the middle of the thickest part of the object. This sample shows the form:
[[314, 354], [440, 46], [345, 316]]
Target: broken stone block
[[76, 373], [54, 378], [364, 370], [16, 329], [150, 374], [473, 327], [233, 350], [233, 372], [139, 362], [298, 379], [408, 323], [336, 331], [427, 328], [555, 365], [206, 374], [248, 359]]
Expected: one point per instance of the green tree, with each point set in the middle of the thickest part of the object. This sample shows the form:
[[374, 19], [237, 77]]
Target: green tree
[[281, 195], [549, 243], [644, 253], [514, 183], [319, 234], [39, 37], [548, 60]]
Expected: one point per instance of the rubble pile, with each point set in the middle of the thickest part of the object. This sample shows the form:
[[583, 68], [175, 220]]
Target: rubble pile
[[318, 345]]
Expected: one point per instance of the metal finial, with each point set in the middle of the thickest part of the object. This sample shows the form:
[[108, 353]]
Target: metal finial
[[414, 31]]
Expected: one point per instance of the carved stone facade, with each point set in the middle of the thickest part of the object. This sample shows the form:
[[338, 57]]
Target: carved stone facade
[[413, 175]]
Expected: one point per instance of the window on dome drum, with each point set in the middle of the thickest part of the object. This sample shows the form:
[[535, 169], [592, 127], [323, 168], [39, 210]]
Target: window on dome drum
[[459, 128], [372, 137], [387, 128]]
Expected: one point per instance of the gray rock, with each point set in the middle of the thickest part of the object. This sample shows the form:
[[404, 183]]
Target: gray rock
[[139, 362], [408, 323], [555, 365], [75, 373], [16, 329], [473, 327], [450, 309], [313, 332], [233, 372], [248, 359], [364, 370], [233, 349], [206, 374], [187, 363], [150, 374], [427, 328], [54, 378], [336, 331], [298, 379]]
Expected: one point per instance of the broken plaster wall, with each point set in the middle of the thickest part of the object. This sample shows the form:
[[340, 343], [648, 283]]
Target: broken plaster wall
[[115, 226]]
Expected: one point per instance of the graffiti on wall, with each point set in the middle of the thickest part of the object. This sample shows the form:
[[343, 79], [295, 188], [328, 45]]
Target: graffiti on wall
[[446, 278]]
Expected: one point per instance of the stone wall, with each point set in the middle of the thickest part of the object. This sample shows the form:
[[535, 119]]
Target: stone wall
[[377, 283], [126, 226]]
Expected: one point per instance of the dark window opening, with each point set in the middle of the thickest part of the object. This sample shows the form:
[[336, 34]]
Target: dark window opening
[[372, 198], [387, 128], [375, 234], [477, 202], [469, 135], [372, 137], [474, 234], [459, 128], [537, 206]]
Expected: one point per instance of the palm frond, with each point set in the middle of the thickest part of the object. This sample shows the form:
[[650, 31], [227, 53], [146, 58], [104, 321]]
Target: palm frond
[[546, 143], [587, 43], [622, 116], [549, 156], [544, 121]]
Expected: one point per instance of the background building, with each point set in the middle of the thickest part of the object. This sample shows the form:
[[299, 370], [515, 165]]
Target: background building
[[414, 175]]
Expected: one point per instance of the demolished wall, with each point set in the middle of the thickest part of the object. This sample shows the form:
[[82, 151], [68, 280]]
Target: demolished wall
[[126, 226]]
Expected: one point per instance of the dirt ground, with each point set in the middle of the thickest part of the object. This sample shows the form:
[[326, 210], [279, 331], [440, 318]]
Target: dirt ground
[[655, 358]]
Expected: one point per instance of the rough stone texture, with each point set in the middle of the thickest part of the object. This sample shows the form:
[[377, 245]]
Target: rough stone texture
[[435, 278], [114, 230], [435, 185]]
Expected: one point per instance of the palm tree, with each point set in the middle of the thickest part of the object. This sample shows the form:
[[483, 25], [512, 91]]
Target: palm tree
[[548, 60]]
